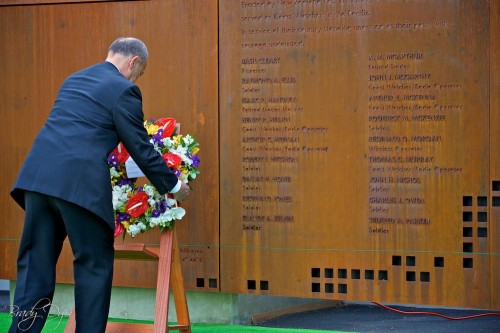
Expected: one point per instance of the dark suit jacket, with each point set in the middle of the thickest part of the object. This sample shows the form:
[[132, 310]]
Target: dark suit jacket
[[95, 109]]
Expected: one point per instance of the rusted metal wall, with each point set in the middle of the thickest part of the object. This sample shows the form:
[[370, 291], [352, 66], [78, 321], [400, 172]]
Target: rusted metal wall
[[494, 226], [358, 139], [362, 132], [42, 44]]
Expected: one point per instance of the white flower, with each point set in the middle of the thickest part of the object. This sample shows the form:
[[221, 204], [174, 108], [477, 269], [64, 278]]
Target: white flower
[[149, 190], [181, 151], [120, 195], [170, 201], [167, 142], [177, 213], [154, 221], [187, 160], [160, 220], [113, 172], [163, 220], [188, 139], [133, 230], [157, 148]]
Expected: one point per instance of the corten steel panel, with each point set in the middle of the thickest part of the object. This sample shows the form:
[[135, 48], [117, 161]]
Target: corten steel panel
[[47, 2], [355, 140], [494, 226], [43, 44]]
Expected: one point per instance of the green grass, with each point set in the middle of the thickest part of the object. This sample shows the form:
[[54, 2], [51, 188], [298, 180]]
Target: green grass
[[56, 324]]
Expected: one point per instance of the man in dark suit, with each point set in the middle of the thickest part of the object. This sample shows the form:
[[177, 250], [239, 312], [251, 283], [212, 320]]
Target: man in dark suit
[[64, 187]]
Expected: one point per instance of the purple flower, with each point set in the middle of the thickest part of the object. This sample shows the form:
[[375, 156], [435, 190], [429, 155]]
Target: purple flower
[[158, 136], [163, 206], [196, 160], [125, 181], [113, 160], [176, 172], [156, 212], [122, 217]]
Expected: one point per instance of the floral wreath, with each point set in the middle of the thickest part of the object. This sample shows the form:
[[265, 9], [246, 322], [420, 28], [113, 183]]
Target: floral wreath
[[139, 209]]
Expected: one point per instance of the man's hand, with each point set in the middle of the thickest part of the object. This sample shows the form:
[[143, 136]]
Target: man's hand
[[183, 192]]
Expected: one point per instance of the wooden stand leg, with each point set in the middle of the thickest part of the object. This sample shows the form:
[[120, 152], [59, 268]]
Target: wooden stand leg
[[163, 282], [169, 276], [180, 300]]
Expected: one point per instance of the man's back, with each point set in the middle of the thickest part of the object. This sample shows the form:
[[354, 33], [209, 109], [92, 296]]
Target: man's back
[[68, 159]]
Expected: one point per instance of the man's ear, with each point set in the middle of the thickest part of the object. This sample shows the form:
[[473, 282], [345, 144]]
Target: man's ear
[[134, 61]]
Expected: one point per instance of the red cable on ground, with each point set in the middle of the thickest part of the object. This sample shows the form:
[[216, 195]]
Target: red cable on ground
[[436, 314]]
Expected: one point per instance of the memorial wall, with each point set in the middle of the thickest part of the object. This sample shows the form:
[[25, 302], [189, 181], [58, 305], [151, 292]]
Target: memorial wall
[[42, 44], [359, 139], [349, 148]]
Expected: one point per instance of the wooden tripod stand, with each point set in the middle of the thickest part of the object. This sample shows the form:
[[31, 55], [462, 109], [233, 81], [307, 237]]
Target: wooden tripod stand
[[169, 276]]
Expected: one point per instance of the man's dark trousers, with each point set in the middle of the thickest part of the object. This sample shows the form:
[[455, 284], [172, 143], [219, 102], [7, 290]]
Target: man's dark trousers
[[48, 221]]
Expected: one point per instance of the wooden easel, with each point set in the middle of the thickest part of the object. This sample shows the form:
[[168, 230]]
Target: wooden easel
[[169, 276]]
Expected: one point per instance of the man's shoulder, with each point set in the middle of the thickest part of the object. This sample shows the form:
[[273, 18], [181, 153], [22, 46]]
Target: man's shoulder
[[105, 69], [99, 75]]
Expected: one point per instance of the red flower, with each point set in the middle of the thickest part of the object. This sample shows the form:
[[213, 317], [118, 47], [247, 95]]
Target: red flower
[[137, 205], [121, 153], [119, 229], [168, 126], [172, 160]]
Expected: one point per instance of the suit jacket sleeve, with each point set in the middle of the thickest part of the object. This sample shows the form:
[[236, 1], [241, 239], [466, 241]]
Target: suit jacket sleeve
[[129, 122]]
